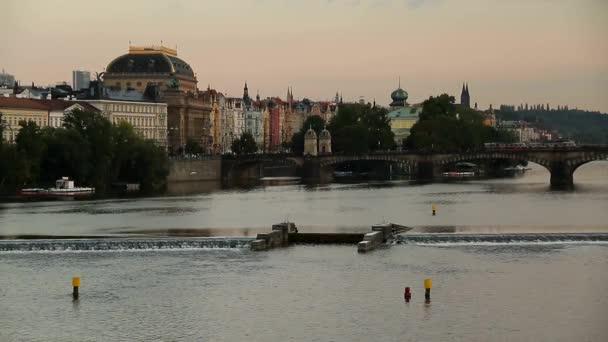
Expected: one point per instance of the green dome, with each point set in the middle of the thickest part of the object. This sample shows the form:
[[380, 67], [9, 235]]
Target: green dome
[[399, 97]]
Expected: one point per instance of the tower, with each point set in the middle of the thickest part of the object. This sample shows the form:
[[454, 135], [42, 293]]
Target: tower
[[310, 142], [465, 97], [245, 91], [324, 142]]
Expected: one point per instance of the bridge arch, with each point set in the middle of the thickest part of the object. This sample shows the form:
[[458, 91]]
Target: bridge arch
[[575, 163], [442, 161]]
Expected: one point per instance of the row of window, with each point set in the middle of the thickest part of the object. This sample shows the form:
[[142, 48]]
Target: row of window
[[13, 121], [136, 121], [130, 108]]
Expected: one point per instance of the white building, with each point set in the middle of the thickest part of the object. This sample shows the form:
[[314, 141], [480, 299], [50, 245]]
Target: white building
[[59, 108], [80, 79], [149, 119], [254, 124]]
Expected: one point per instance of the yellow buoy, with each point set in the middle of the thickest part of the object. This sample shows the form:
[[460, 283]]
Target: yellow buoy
[[428, 283], [76, 281]]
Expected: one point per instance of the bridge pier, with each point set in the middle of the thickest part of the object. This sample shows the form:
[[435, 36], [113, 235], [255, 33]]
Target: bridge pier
[[561, 175], [312, 170], [427, 171]]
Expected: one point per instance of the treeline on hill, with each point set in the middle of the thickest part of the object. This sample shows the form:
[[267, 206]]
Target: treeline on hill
[[446, 126], [355, 129], [581, 126], [88, 148]]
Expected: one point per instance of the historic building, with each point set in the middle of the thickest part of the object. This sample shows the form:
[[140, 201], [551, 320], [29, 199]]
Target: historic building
[[324, 142], [317, 145], [310, 143], [42, 112], [157, 71], [402, 115], [150, 65], [148, 118], [465, 97], [15, 110]]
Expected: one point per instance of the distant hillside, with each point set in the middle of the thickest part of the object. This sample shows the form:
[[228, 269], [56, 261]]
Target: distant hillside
[[581, 126]]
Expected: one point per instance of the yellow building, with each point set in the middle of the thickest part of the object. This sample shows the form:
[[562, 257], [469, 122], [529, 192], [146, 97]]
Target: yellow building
[[403, 116], [15, 110]]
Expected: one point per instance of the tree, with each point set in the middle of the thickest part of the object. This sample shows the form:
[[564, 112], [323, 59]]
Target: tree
[[88, 149], [245, 144], [361, 128], [31, 146], [192, 147], [446, 126], [97, 132]]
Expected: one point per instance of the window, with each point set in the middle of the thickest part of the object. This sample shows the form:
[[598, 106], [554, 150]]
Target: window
[[139, 84]]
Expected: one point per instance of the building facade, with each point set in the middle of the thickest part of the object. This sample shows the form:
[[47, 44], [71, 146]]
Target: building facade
[[15, 110], [402, 115], [80, 79], [44, 113], [149, 119], [157, 72]]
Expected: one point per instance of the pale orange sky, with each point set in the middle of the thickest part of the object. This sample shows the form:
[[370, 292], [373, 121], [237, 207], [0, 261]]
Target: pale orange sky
[[510, 51]]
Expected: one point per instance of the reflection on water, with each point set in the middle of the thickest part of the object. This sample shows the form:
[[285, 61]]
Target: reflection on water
[[208, 209]]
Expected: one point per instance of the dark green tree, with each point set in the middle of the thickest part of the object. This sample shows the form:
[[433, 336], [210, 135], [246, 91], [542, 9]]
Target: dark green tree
[[31, 146], [192, 147], [359, 128], [446, 126], [245, 144]]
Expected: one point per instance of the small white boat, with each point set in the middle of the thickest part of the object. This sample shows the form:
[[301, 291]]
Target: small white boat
[[65, 187]]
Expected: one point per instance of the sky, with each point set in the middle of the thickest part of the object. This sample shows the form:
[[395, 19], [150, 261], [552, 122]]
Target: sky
[[509, 51]]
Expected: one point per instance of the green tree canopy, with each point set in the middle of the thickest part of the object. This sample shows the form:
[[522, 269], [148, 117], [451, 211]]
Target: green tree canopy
[[192, 147], [88, 148], [359, 128], [446, 126], [245, 144]]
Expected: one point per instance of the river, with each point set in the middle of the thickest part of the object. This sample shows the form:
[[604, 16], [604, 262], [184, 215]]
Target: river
[[510, 259]]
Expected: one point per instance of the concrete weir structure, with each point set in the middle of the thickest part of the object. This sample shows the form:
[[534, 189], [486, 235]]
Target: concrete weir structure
[[278, 237], [285, 233], [379, 235]]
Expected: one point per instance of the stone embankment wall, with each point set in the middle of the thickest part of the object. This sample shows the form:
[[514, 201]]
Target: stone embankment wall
[[183, 170]]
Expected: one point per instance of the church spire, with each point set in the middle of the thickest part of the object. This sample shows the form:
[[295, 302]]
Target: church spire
[[465, 97]]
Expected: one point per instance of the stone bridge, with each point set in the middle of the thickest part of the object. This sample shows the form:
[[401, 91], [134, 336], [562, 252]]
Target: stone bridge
[[561, 163]]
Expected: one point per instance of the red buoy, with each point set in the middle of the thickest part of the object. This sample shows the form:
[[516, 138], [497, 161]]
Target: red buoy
[[407, 294]]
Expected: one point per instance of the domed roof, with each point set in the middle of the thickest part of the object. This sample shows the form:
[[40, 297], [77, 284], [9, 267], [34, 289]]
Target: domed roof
[[310, 133], [154, 62], [399, 95], [325, 134]]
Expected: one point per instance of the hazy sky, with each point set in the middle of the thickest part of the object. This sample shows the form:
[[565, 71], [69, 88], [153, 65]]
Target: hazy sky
[[510, 51]]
